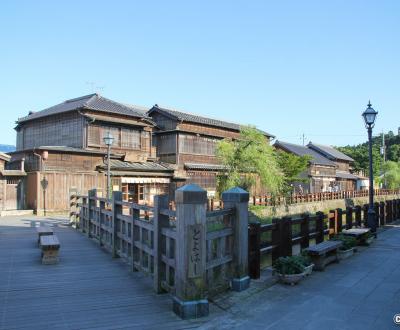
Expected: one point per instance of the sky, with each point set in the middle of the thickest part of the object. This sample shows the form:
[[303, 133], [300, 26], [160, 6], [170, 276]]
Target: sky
[[288, 67]]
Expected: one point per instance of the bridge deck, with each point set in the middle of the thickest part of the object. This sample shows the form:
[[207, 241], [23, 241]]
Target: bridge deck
[[86, 290]]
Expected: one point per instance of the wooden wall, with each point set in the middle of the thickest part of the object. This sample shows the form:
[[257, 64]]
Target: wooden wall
[[59, 130], [72, 162], [57, 191]]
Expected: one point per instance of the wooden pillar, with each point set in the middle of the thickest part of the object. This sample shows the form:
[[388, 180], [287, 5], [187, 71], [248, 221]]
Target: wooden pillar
[[339, 219], [319, 227], [238, 199], [332, 223], [358, 211], [160, 221], [365, 215], [254, 250], [116, 209], [376, 208], [382, 213], [101, 221], [349, 217], [305, 230], [190, 272], [285, 245]]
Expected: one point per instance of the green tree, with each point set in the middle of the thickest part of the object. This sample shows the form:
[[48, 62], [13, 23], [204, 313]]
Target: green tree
[[292, 167], [245, 159], [393, 152], [391, 175]]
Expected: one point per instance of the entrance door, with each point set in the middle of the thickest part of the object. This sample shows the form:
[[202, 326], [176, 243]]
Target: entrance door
[[11, 196]]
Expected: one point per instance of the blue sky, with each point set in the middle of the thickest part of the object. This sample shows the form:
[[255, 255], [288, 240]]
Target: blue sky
[[289, 67]]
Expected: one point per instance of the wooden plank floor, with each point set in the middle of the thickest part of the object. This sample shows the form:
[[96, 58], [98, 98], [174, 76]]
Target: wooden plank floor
[[86, 290]]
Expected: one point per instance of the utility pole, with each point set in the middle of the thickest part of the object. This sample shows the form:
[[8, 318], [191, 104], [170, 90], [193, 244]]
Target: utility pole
[[304, 139]]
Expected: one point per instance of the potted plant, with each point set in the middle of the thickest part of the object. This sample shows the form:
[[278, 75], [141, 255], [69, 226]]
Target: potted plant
[[290, 270], [346, 250]]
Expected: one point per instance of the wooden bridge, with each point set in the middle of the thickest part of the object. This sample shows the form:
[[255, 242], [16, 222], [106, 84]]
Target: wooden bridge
[[86, 290]]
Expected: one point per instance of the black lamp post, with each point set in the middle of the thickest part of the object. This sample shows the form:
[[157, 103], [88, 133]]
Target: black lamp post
[[108, 141], [369, 118]]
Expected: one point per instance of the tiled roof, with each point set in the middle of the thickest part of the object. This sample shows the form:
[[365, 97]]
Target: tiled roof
[[120, 165], [12, 173], [90, 102], [198, 166], [303, 151], [346, 175], [194, 118], [5, 156], [330, 152]]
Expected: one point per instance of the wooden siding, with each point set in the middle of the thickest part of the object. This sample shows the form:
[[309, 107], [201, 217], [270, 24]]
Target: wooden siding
[[316, 170], [208, 130], [343, 165], [72, 162], [164, 122], [57, 192], [60, 130]]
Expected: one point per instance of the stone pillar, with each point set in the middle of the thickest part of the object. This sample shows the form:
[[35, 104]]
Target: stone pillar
[[190, 272], [238, 199], [160, 221], [116, 209]]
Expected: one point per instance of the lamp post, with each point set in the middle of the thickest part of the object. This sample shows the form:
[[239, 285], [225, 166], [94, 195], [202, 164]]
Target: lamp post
[[369, 118], [108, 141]]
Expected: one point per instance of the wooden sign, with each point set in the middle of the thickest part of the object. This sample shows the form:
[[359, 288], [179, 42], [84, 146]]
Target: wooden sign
[[195, 251]]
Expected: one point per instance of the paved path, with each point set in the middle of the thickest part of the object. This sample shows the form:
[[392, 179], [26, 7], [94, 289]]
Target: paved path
[[86, 290], [90, 290], [362, 292]]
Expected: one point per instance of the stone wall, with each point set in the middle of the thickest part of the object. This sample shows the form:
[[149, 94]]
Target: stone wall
[[324, 206]]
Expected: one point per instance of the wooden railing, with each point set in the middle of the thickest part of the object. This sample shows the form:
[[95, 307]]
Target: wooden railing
[[268, 200], [289, 235]]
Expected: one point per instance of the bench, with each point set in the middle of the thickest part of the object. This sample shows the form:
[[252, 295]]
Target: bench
[[43, 231], [360, 234], [323, 253], [50, 246]]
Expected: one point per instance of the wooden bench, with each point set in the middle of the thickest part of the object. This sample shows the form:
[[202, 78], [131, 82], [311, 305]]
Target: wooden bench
[[324, 253], [43, 231], [50, 246], [360, 234]]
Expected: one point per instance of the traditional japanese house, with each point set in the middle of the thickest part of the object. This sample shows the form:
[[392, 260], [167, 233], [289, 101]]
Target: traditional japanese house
[[344, 178], [188, 142], [321, 173], [63, 148], [12, 184]]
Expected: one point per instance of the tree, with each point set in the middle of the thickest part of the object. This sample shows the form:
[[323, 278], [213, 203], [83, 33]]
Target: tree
[[246, 158], [393, 152], [391, 175], [292, 167]]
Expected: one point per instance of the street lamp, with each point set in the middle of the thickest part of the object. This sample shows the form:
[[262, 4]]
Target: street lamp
[[369, 118], [108, 141]]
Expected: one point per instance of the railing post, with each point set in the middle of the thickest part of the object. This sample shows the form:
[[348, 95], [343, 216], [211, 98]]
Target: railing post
[[160, 221], [101, 218], [190, 273], [358, 215], [238, 199], [339, 220], [382, 213], [92, 204], [305, 231], [365, 215], [349, 217], [285, 245], [376, 209], [116, 209], [319, 227], [332, 223], [254, 250]]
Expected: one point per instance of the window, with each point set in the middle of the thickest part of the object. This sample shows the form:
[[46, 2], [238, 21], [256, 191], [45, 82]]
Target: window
[[130, 138], [200, 145]]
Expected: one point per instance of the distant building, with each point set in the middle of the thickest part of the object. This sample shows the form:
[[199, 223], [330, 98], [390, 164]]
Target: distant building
[[344, 178], [321, 173]]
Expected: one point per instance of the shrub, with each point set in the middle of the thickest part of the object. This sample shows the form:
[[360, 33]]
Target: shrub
[[348, 241], [289, 265]]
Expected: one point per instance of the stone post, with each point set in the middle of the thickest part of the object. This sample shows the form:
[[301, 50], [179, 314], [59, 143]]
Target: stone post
[[92, 204], [238, 199], [160, 221], [190, 272], [116, 209]]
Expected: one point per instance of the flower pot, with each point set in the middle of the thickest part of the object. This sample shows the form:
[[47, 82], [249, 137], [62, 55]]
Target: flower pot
[[291, 279], [308, 269], [345, 254]]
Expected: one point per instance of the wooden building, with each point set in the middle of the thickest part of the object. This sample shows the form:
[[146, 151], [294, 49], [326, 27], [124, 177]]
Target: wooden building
[[321, 173], [344, 178], [63, 148], [12, 184], [188, 142]]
